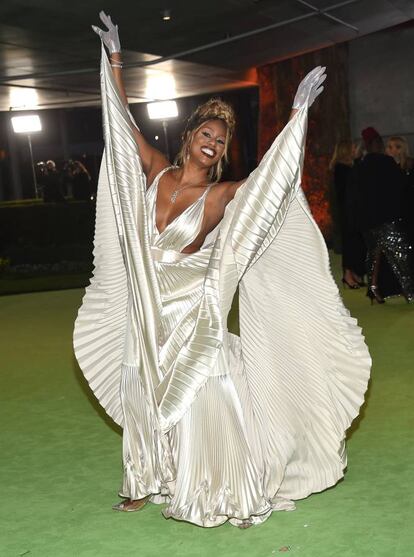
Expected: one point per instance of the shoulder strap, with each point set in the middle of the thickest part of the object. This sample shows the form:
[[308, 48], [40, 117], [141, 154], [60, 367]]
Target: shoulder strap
[[160, 174], [208, 188]]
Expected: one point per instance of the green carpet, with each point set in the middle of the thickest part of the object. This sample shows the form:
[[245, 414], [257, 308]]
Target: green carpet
[[61, 458]]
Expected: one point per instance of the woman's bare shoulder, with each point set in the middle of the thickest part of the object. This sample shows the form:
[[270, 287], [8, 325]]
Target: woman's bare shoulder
[[158, 167]]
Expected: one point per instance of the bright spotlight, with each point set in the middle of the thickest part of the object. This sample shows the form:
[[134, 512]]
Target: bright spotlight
[[162, 110], [160, 86], [26, 124]]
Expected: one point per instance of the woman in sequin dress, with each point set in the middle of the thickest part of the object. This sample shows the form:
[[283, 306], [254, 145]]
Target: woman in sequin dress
[[397, 147], [381, 195]]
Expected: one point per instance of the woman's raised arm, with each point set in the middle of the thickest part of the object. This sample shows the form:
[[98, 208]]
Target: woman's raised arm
[[153, 161], [309, 88]]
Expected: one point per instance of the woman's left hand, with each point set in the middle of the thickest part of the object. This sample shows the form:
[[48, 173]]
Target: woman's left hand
[[309, 88]]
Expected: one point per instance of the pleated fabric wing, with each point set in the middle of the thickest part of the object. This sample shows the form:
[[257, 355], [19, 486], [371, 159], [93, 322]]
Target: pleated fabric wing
[[123, 268], [99, 333], [305, 357]]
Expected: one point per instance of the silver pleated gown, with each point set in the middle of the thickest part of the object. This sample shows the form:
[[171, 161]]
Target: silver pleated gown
[[218, 427]]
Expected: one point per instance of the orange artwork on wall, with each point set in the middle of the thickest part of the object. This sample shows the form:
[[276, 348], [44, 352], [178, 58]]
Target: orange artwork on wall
[[328, 119]]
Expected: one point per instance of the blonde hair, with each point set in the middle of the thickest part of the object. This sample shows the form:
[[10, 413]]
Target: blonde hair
[[405, 151], [342, 153], [213, 109]]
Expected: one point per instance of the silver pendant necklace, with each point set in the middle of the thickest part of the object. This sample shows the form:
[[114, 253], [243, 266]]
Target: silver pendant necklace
[[175, 193]]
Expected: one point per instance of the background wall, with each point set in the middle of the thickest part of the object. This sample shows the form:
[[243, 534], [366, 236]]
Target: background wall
[[370, 83], [328, 118], [381, 82]]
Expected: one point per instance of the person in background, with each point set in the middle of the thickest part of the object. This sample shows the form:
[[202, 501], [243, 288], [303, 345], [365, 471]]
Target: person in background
[[51, 183], [380, 209], [80, 181], [397, 147], [342, 205], [357, 151], [41, 171]]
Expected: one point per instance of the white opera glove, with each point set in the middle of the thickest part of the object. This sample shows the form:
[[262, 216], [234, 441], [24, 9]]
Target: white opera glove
[[310, 87], [110, 38]]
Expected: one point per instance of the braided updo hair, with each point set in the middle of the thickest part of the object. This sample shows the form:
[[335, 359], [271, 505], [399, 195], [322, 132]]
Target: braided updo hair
[[213, 109]]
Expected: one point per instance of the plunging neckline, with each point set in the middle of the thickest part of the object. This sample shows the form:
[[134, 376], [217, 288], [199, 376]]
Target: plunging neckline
[[157, 182]]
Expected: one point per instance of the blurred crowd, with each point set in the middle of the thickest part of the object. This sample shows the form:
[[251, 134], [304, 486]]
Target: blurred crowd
[[72, 181], [372, 208]]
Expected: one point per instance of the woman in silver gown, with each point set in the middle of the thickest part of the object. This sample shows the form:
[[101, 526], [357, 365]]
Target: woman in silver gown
[[217, 426]]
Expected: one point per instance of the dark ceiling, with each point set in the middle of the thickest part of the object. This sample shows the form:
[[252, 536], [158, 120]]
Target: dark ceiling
[[49, 54]]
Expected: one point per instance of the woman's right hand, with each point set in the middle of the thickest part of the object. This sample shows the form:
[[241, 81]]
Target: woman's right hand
[[152, 160], [110, 38]]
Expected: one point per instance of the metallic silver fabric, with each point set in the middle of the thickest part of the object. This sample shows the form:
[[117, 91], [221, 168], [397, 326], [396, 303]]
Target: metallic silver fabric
[[390, 241], [217, 426]]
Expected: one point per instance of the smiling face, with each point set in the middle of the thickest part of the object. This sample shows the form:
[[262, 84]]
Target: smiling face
[[208, 143]]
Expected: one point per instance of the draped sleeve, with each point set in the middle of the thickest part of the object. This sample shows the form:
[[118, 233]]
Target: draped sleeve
[[123, 267], [305, 357]]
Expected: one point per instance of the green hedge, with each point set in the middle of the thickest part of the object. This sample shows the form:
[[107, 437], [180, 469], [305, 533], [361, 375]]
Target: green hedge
[[46, 232], [43, 283]]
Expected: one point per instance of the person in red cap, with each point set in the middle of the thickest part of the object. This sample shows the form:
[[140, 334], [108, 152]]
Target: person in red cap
[[380, 193], [369, 135]]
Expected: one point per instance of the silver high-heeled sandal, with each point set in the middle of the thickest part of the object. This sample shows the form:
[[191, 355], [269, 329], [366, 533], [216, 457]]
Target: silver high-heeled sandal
[[131, 506]]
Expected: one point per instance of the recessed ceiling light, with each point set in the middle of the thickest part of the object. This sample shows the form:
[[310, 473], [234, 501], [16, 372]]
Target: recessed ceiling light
[[23, 98], [166, 15]]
